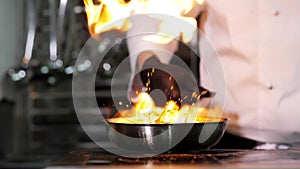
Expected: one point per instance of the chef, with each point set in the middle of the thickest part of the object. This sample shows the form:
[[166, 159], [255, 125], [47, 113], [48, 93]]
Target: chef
[[257, 44]]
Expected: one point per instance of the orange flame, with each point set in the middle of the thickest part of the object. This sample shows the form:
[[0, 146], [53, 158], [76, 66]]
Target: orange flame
[[114, 14], [101, 15], [145, 112]]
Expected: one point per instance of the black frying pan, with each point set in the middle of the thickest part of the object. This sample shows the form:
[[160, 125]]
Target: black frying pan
[[179, 137]]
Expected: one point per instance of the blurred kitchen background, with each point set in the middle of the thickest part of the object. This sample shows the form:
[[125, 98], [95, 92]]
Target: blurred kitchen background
[[40, 41]]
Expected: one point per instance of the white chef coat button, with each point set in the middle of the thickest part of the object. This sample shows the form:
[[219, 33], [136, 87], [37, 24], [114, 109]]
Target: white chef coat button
[[275, 12], [270, 86]]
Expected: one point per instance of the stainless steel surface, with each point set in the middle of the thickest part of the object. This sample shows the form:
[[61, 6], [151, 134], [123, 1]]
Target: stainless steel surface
[[215, 158]]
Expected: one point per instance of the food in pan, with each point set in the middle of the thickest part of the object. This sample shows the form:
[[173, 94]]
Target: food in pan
[[146, 112]]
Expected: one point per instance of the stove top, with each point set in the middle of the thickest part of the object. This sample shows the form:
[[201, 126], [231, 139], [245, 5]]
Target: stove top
[[201, 157]]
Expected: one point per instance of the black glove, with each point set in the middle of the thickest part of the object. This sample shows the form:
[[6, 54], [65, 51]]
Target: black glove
[[173, 82]]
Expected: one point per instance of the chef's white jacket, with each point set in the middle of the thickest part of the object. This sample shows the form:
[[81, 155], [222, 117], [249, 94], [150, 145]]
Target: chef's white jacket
[[258, 46]]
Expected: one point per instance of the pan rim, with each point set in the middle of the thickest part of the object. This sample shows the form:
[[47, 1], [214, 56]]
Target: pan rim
[[222, 120]]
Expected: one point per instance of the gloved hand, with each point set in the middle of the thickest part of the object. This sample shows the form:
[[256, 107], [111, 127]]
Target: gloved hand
[[173, 82]]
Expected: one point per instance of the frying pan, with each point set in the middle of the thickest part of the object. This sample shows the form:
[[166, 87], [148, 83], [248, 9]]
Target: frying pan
[[177, 137]]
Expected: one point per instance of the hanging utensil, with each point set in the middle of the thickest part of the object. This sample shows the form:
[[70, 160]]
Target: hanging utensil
[[56, 20], [55, 59], [60, 24], [22, 74]]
